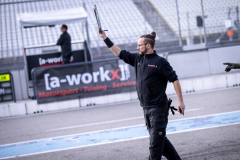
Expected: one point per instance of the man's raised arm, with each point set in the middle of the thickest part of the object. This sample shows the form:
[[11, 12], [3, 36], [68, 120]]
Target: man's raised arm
[[115, 49]]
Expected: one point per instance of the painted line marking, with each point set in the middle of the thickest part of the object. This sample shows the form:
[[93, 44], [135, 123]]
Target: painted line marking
[[118, 141], [115, 135], [120, 120], [115, 141], [117, 128]]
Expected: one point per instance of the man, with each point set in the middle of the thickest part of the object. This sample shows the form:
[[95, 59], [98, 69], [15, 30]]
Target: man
[[152, 74], [65, 42]]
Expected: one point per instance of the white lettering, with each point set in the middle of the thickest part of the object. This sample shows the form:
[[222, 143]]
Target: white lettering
[[2, 91], [73, 79], [122, 73], [127, 71], [63, 80], [42, 61], [56, 59], [95, 76], [104, 75], [46, 81], [50, 60], [54, 82], [86, 78]]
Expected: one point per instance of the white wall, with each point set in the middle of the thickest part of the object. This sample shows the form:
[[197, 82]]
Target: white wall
[[203, 63], [190, 64], [218, 56]]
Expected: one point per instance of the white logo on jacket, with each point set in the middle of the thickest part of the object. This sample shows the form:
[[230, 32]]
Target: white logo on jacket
[[152, 66]]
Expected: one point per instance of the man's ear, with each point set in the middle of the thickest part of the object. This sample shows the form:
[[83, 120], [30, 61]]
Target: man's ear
[[148, 45]]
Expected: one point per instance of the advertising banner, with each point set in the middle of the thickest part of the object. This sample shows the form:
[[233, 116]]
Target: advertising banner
[[52, 59], [80, 80]]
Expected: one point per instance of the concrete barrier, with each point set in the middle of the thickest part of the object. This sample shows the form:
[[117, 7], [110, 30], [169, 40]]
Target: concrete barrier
[[17, 109], [32, 106], [12, 109], [106, 99], [4, 110]]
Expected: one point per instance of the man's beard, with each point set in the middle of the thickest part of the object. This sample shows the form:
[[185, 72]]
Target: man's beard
[[144, 52]]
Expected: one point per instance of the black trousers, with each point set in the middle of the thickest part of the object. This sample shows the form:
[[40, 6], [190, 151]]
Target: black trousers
[[156, 121], [66, 57], [66, 60]]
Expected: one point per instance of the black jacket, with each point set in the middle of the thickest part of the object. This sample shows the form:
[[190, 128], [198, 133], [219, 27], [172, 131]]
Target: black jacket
[[152, 74], [65, 42]]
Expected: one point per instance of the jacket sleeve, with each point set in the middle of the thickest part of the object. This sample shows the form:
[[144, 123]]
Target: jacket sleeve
[[168, 71], [60, 40], [127, 57]]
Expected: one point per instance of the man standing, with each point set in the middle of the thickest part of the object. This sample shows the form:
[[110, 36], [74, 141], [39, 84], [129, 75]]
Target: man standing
[[152, 74], [65, 42]]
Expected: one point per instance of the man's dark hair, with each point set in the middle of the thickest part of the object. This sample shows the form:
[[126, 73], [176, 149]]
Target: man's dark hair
[[149, 38], [64, 26]]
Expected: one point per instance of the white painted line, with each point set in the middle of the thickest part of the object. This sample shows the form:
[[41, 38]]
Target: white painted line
[[120, 120], [91, 124], [190, 110], [189, 130], [204, 116]]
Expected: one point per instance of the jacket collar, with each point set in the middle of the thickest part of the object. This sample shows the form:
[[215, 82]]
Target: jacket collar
[[152, 54]]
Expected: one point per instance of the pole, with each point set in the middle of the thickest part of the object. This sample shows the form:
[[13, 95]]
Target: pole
[[88, 39], [25, 61], [88, 45], [238, 23], [204, 27], [200, 28], [179, 27], [189, 30]]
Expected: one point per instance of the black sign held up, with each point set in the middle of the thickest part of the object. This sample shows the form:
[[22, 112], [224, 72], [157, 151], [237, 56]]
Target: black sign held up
[[72, 81], [7, 92]]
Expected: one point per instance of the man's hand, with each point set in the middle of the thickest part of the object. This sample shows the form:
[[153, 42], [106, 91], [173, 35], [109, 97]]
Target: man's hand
[[182, 106], [102, 34], [115, 49], [231, 66], [178, 90]]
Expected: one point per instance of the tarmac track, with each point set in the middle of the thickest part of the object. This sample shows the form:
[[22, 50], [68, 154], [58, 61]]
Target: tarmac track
[[218, 143]]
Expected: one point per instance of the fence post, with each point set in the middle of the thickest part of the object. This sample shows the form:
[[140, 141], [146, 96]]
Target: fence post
[[179, 27], [238, 23], [204, 27], [87, 31]]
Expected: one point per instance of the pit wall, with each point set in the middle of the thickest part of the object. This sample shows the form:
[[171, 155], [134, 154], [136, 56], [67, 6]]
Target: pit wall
[[205, 62]]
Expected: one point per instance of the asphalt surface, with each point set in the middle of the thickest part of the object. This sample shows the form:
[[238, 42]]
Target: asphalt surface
[[218, 143]]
